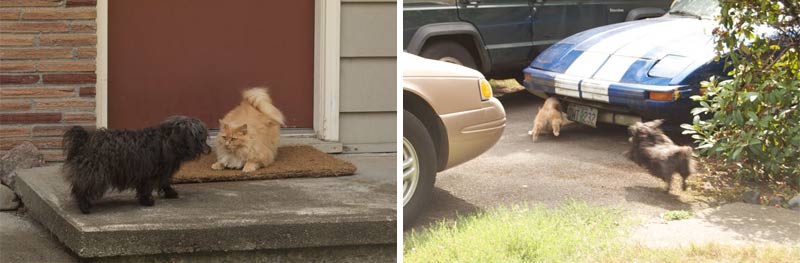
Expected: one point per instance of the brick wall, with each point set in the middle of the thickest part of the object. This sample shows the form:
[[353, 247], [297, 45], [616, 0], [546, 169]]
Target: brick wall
[[47, 71]]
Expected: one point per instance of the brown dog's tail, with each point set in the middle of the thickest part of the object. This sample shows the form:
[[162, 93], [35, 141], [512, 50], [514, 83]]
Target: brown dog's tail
[[259, 98]]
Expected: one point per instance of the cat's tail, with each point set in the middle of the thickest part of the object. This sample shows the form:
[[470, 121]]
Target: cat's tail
[[259, 98]]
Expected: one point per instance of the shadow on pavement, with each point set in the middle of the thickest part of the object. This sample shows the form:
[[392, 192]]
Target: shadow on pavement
[[655, 196], [756, 222], [445, 207], [520, 98]]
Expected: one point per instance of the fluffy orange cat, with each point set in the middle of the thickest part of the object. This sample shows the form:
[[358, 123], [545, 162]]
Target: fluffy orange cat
[[248, 137]]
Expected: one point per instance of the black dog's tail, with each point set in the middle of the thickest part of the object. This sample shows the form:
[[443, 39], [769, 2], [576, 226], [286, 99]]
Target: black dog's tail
[[73, 140]]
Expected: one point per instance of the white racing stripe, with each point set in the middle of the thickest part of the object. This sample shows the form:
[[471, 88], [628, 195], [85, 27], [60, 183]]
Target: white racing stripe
[[615, 68], [567, 85], [613, 43], [658, 37], [607, 61], [595, 90], [586, 64], [597, 63]]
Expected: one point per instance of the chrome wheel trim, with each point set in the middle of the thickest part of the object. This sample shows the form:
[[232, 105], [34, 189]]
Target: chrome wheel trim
[[410, 171]]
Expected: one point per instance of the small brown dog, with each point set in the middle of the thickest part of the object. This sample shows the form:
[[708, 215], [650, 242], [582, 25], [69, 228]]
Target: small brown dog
[[652, 149], [549, 117]]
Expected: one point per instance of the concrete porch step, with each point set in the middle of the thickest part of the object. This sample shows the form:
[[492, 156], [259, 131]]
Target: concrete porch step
[[331, 217]]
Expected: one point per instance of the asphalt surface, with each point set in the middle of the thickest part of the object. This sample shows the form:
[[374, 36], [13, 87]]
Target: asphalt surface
[[583, 164]]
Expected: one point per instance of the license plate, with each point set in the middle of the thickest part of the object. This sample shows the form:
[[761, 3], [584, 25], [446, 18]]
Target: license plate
[[583, 114]]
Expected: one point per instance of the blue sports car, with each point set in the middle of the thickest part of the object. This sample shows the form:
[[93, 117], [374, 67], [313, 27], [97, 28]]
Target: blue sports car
[[632, 71]]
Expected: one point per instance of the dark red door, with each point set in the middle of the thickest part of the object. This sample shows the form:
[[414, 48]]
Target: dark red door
[[194, 57]]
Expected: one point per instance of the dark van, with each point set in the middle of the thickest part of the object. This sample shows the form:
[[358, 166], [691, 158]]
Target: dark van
[[500, 37]]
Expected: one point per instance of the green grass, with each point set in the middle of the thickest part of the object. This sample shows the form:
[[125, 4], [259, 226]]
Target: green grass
[[575, 232], [677, 215], [518, 234]]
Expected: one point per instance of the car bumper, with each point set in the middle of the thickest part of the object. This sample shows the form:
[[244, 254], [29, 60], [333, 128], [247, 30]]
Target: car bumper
[[630, 99], [471, 133]]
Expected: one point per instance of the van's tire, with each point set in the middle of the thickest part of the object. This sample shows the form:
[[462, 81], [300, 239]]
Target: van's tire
[[449, 51], [417, 145]]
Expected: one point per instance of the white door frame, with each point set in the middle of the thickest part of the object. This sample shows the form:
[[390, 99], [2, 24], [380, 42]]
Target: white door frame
[[327, 26]]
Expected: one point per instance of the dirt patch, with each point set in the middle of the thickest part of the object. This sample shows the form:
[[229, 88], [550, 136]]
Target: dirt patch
[[719, 187], [292, 162]]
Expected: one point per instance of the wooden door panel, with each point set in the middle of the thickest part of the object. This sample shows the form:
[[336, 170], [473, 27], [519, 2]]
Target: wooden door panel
[[194, 57]]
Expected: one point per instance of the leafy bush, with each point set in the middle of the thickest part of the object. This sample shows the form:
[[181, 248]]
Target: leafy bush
[[753, 124]]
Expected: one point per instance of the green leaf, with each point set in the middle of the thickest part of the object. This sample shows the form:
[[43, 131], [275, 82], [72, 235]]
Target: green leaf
[[755, 147], [752, 96], [700, 110], [752, 115], [736, 153]]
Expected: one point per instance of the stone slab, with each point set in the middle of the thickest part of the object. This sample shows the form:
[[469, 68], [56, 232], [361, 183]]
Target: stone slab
[[212, 217], [23, 240]]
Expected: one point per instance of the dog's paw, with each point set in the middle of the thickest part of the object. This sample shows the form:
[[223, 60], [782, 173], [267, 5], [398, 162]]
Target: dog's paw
[[147, 201], [170, 193], [530, 132], [83, 204], [218, 166], [84, 208]]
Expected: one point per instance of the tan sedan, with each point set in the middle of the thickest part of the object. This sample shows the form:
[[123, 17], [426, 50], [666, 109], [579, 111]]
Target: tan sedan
[[449, 117]]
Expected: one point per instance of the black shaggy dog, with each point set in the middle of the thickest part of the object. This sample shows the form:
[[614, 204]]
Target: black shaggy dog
[[145, 160], [652, 149]]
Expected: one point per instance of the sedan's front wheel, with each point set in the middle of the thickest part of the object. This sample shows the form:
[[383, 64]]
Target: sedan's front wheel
[[419, 167]]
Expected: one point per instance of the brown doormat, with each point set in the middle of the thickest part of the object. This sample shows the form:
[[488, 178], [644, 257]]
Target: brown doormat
[[292, 162]]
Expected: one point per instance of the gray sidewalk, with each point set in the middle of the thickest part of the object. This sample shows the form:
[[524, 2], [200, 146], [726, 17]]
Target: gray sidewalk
[[732, 224], [355, 215]]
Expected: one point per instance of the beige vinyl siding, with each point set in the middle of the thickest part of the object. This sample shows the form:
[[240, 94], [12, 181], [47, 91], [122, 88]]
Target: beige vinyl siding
[[368, 66], [368, 85], [369, 29], [369, 132]]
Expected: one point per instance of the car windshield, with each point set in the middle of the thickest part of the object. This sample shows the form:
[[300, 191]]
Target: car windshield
[[701, 9]]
